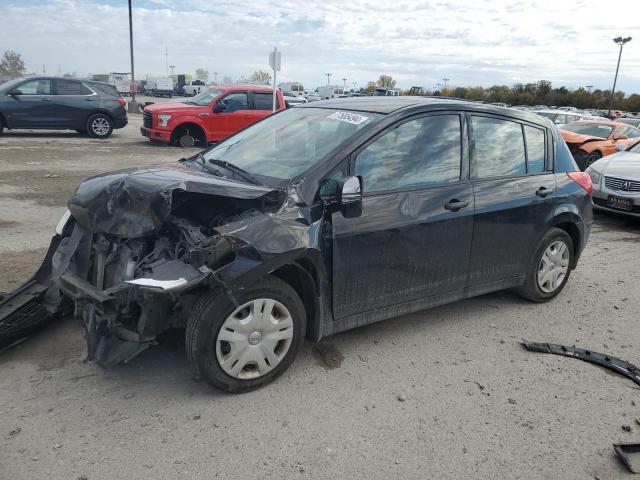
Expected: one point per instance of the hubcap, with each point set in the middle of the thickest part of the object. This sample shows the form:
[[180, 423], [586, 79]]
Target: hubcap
[[100, 126], [254, 339], [553, 266]]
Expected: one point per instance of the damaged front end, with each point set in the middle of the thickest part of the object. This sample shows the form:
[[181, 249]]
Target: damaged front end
[[133, 254]]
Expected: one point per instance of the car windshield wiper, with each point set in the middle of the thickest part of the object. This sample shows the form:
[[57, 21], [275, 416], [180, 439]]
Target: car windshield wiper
[[235, 169]]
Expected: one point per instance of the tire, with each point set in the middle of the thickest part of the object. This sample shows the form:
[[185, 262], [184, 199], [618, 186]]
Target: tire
[[187, 137], [543, 280], [214, 358], [99, 125], [591, 158]]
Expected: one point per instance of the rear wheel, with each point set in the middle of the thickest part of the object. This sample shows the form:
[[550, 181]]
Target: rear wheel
[[99, 125], [551, 267], [241, 346]]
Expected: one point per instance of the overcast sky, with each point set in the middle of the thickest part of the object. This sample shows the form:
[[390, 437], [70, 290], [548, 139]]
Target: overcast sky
[[472, 42]]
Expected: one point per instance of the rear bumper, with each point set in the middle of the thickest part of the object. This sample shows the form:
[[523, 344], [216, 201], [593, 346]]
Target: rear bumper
[[120, 122], [158, 135]]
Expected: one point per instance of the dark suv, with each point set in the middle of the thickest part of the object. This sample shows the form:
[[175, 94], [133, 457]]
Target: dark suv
[[63, 104], [315, 220]]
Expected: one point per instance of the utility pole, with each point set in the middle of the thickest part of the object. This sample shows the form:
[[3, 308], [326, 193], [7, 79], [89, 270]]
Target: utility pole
[[354, 86], [328, 77], [166, 60], [215, 78], [132, 88], [619, 41], [172, 67]]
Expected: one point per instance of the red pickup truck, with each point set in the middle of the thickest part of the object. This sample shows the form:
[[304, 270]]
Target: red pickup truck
[[210, 116]]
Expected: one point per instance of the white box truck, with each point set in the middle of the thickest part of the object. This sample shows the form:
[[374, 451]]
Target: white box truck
[[159, 87]]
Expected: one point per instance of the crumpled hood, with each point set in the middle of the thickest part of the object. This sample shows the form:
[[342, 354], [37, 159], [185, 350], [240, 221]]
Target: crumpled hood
[[577, 138], [136, 201], [170, 107], [624, 165]]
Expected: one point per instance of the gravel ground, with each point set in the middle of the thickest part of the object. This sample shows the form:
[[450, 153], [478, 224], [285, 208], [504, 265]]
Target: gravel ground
[[447, 393]]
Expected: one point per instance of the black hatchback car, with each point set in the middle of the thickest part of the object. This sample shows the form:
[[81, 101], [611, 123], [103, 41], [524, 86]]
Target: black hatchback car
[[61, 104], [315, 220]]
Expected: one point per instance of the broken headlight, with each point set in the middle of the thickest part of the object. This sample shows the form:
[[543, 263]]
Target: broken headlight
[[164, 119]]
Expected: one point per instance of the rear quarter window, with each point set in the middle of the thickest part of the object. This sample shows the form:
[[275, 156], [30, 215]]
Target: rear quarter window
[[110, 90]]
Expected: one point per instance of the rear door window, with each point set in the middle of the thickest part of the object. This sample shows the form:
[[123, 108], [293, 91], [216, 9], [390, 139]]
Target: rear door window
[[418, 153], [71, 87], [499, 148], [264, 101]]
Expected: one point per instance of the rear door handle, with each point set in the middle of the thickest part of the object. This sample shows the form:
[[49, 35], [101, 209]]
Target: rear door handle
[[544, 191], [455, 205], [89, 99], [47, 100]]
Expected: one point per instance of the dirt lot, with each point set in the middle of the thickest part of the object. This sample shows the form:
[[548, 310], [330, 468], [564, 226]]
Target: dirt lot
[[446, 393]]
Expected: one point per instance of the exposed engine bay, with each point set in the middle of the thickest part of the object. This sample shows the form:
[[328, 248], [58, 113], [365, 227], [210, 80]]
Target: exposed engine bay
[[135, 252]]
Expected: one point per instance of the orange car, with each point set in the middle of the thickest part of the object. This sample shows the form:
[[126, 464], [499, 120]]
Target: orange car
[[590, 140]]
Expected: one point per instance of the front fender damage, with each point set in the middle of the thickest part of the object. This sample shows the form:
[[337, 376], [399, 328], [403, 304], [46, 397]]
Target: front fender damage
[[128, 290]]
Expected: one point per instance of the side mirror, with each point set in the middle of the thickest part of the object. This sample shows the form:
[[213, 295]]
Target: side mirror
[[349, 195], [219, 108], [15, 92], [620, 147]]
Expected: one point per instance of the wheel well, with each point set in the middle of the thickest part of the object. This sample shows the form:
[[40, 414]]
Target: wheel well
[[301, 276], [574, 233], [196, 130], [106, 114]]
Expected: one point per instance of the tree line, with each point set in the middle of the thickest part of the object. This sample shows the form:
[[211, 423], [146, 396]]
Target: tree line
[[538, 93]]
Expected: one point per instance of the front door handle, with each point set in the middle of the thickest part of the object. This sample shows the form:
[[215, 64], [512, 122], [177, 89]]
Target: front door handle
[[455, 205], [89, 99], [544, 191], [47, 100]]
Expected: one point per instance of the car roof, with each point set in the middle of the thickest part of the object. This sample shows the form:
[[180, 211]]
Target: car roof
[[258, 88], [386, 105], [603, 121], [558, 112]]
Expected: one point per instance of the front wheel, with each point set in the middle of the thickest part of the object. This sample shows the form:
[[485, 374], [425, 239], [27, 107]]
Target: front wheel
[[238, 347], [551, 267], [99, 125], [592, 158]]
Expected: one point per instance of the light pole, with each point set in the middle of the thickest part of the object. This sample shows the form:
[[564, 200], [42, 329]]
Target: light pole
[[589, 87], [215, 78], [445, 80], [438, 88], [172, 67], [328, 77], [354, 86], [132, 88], [619, 41], [344, 83]]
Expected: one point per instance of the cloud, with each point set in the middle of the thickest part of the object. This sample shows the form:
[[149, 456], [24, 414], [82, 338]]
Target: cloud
[[419, 42]]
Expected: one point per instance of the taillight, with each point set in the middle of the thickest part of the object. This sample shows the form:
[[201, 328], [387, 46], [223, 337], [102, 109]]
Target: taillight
[[583, 179], [121, 101]]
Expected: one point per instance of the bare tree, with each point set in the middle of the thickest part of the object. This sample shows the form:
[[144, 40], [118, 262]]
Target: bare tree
[[386, 81], [11, 65], [202, 74], [260, 77]]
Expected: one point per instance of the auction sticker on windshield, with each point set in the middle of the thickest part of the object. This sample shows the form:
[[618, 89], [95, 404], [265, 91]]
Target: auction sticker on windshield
[[349, 117]]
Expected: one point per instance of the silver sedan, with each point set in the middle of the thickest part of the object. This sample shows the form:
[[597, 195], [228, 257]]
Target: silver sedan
[[616, 182]]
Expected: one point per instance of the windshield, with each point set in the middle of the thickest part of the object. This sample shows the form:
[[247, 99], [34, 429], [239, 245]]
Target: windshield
[[600, 130], [286, 144], [635, 148], [6, 86], [204, 98]]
